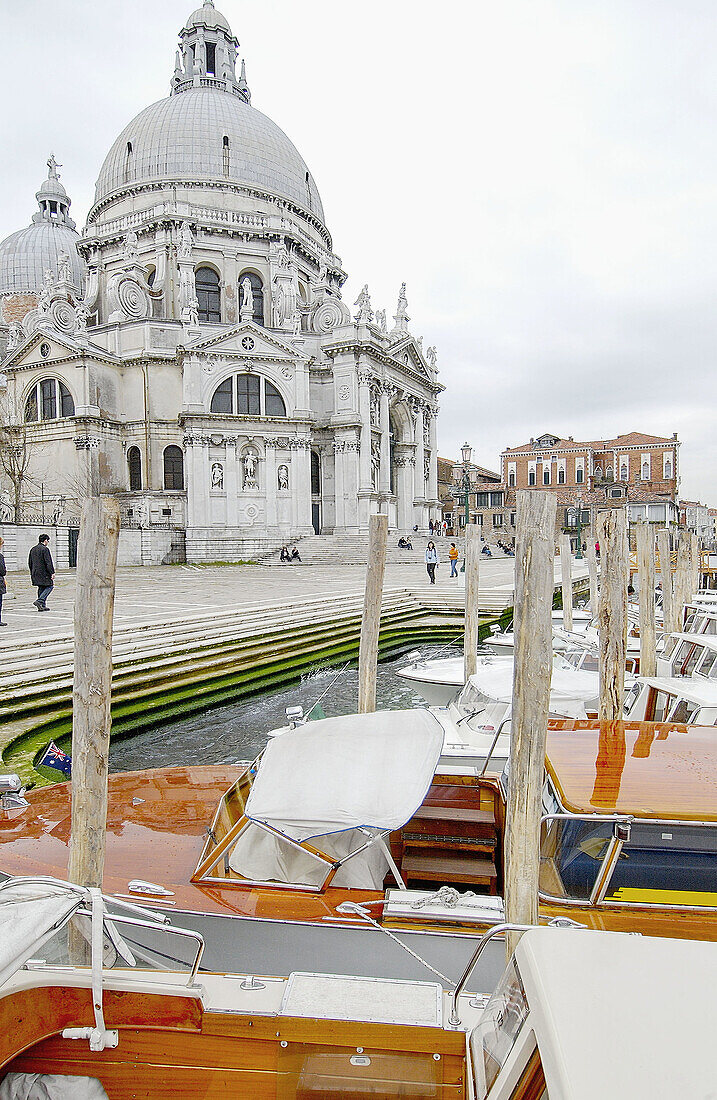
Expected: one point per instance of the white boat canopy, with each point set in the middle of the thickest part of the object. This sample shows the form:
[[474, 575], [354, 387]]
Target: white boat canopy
[[348, 781], [370, 770], [570, 691]]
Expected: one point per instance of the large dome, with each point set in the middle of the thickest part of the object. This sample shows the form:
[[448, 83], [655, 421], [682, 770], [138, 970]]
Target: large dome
[[25, 256], [184, 138]]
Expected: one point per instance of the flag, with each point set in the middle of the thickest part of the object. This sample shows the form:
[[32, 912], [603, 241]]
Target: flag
[[57, 759]]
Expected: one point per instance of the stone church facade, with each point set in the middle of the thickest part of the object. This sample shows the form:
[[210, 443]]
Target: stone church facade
[[190, 351]]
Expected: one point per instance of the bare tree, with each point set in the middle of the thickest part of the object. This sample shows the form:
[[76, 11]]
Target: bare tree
[[16, 452]]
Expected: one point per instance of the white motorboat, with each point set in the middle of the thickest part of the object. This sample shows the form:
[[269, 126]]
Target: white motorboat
[[503, 641], [439, 679], [684, 700]]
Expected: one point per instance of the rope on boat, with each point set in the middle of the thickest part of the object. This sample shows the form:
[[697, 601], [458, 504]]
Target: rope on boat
[[354, 907]]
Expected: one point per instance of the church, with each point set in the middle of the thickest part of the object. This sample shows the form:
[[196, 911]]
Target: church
[[190, 352]]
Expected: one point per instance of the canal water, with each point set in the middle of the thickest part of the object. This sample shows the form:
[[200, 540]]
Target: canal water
[[238, 731]]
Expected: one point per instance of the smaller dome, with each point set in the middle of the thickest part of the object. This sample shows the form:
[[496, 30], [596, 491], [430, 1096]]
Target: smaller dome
[[52, 188], [207, 16]]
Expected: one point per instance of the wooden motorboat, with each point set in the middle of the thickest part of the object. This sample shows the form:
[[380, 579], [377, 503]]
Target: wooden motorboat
[[125, 1026], [630, 806]]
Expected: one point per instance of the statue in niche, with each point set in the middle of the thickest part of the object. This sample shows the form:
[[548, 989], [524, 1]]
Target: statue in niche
[[375, 409], [131, 246], [186, 242], [375, 464], [247, 297], [250, 481], [217, 475], [283, 473]]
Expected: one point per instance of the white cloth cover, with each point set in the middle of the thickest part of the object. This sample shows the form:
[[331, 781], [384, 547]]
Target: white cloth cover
[[28, 913], [265, 857], [50, 1086], [341, 773]]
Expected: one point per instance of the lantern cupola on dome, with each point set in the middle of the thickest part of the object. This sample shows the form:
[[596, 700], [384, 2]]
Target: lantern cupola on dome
[[207, 54]]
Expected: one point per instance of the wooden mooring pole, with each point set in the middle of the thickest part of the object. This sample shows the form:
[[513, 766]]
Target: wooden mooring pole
[[566, 578], [470, 637], [612, 614], [683, 579], [669, 617], [371, 621], [696, 566], [534, 583], [91, 692], [646, 581], [592, 573]]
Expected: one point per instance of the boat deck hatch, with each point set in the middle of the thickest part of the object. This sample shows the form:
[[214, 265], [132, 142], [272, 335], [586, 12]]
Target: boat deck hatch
[[374, 1000]]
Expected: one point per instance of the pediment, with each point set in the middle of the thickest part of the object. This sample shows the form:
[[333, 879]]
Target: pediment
[[43, 348], [247, 339], [408, 352]]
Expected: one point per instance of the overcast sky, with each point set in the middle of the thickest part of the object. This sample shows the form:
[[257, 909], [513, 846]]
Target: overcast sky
[[541, 174]]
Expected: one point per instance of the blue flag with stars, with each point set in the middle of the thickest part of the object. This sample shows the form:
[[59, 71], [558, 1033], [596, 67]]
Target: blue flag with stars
[[55, 758]]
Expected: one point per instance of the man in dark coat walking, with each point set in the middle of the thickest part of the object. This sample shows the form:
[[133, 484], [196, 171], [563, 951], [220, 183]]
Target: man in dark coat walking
[[42, 571]]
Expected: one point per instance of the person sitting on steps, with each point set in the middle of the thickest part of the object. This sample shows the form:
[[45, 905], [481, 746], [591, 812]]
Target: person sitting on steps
[[285, 555]]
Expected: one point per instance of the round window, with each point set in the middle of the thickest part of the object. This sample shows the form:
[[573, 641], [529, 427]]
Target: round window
[[44, 350]]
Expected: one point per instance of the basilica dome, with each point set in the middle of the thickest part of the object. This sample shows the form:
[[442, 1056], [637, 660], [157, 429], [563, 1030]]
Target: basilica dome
[[27, 254], [208, 134]]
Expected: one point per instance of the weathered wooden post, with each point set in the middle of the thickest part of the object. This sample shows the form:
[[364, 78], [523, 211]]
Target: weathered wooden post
[[371, 621], [534, 583], [683, 573], [470, 636], [592, 572], [91, 692], [612, 614], [646, 581], [566, 578], [696, 566], [669, 618]]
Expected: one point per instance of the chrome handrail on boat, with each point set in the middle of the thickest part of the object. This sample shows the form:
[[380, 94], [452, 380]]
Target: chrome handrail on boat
[[454, 1019], [494, 742]]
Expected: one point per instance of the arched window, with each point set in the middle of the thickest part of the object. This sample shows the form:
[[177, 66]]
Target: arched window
[[668, 469], [531, 477], [173, 468], [511, 479], [608, 473], [225, 155], [49, 399], [623, 472], [561, 476], [579, 475], [134, 465], [646, 471], [206, 283], [257, 291], [247, 395]]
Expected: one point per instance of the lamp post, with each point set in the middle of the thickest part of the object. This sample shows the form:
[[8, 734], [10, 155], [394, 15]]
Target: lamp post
[[579, 553], [466, 451]]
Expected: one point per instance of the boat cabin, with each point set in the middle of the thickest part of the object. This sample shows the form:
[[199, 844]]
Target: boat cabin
[[689, 655], [680, 699]]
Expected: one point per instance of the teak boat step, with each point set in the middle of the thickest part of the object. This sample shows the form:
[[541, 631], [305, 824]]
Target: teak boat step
[[451, 821], [445, 841], [438, 867]]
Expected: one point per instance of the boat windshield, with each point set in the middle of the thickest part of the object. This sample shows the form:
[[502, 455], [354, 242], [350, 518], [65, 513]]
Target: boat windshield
[[662, 862], [472, 702]]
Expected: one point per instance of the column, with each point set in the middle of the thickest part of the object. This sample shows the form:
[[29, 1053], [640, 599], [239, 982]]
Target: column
[[197, 464], [231, 482], [384, 481], [419, 485], [301, 460], [365, 484], [272, 484], [351, 483], [404, 491], [433, 468], [339, 486]]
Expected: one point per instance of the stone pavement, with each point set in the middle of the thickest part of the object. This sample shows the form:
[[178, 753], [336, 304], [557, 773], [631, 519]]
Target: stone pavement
[[149, 594]]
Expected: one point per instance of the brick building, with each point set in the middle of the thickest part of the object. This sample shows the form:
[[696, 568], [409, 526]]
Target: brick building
[[486, 498], [636, 470]]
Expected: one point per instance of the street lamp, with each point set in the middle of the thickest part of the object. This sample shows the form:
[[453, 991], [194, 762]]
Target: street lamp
[[579, 554], [466, 452]]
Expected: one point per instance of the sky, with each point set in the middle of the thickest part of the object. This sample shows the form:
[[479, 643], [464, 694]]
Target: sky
[[541, 173]]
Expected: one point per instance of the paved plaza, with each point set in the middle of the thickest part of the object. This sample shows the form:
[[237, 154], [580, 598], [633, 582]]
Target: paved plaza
[[152, 593]]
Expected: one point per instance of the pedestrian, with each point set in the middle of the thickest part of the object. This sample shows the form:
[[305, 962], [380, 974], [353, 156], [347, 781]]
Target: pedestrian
[[597, 549], [430, 526], [445, 529], [453, 559], [431, 561], [42, 571], [3, 574]]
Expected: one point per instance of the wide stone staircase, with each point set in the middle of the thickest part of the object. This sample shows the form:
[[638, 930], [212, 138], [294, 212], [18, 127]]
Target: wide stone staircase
[[353, 550]]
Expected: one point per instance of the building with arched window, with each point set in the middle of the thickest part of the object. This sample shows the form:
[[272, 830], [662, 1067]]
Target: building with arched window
[[191, 352]]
